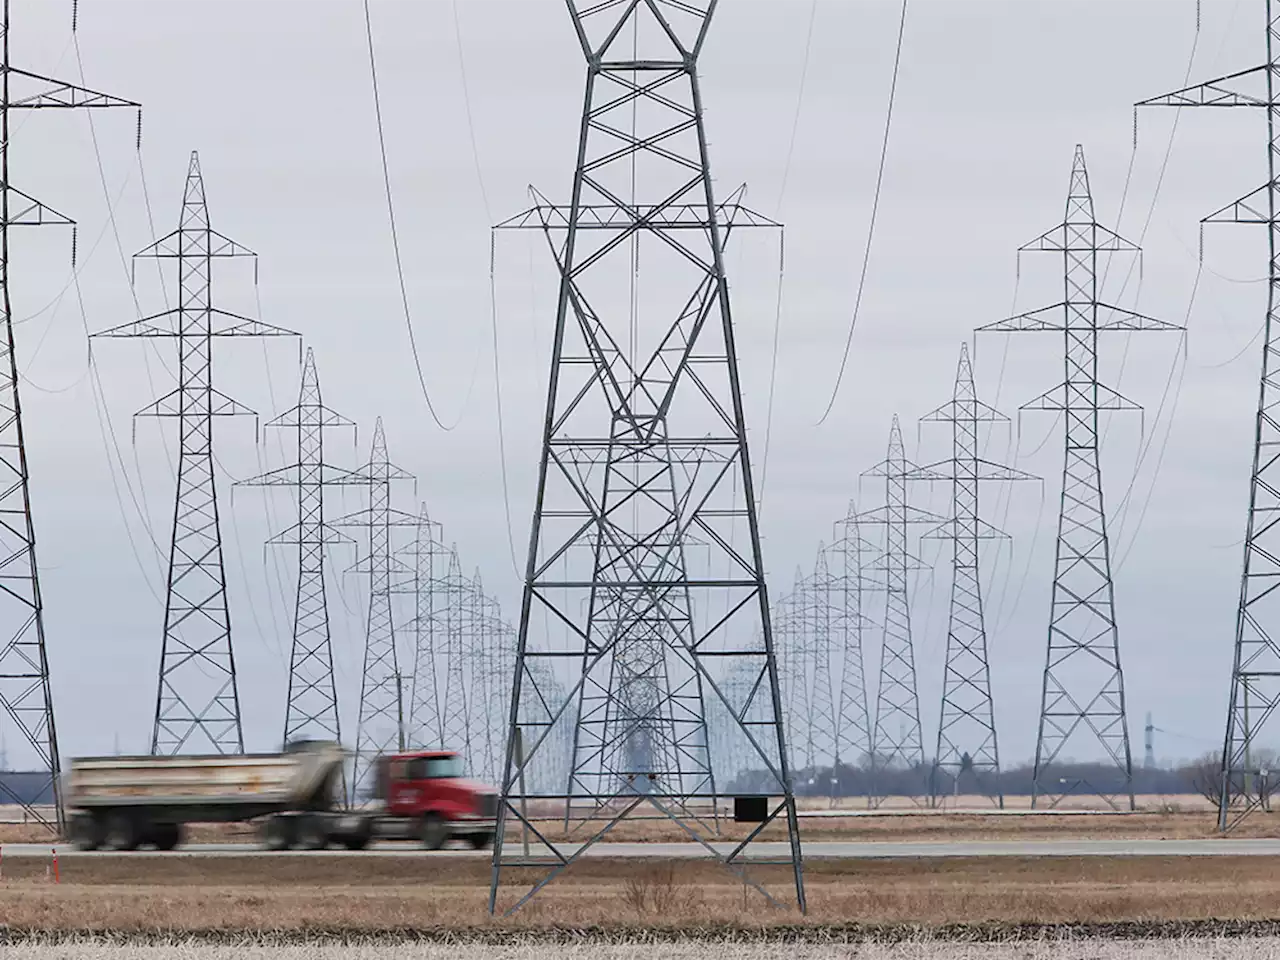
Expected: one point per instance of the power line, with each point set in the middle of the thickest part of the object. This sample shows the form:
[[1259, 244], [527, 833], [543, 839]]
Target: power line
[[395, 236], [871, 226]]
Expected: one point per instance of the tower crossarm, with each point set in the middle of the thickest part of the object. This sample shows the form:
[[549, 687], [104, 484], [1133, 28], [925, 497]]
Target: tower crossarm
[[31, 91], [1079, 315], [1246, 88]]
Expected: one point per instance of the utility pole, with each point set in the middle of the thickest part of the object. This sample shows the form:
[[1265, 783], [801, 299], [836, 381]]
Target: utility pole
[[381, 728], [644, 448], [1083, 685], [1255, 668], [896, 738], [26, 698], [197, 698], [311, 707], [967, 741]]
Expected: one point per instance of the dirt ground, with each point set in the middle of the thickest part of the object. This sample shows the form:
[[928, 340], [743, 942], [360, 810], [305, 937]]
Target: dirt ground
[[921, 949], [379, 894]]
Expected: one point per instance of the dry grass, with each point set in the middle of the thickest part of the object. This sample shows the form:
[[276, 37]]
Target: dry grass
[[386, 893], [946, 827], [923, 949]]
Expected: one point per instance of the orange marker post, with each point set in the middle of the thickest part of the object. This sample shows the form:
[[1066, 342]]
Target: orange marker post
[[55, 865]]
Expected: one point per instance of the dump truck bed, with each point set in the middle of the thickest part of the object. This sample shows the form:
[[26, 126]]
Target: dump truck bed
[[222, 787]]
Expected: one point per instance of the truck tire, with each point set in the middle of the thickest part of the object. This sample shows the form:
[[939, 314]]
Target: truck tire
[[480, 841], [122, 832], [277, 833], [85, 831], [166, 836], [310, 833], [434, 831]]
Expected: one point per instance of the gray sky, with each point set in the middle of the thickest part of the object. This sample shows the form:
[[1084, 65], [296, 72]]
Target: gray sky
[[992, 98]]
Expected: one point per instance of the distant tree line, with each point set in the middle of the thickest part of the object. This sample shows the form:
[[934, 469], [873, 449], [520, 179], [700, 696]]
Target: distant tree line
[[1200, 777]]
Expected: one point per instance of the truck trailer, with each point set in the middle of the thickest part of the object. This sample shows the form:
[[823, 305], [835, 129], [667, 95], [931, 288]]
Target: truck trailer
[[122, 803]]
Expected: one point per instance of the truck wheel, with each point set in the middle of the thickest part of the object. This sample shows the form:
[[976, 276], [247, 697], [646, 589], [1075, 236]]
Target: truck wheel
[[310, 833], [121, 833], [166, 836], [85, 831], [434, 831], [277, 833], [480, 841]]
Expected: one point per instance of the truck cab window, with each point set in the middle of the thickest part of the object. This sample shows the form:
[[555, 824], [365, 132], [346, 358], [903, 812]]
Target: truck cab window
[[439, 768]]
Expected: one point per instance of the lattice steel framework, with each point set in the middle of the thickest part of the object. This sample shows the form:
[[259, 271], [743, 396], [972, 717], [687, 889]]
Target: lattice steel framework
[[853, 728], [896, 739], [26, 699], [644, 446], [381, 727], [197, 698], [426, 555], [1083, 687], [311, 707], [1255, 671], [803, 627], [967, 745]]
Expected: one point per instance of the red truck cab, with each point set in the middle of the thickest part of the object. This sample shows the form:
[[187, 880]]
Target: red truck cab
[[427, 797]]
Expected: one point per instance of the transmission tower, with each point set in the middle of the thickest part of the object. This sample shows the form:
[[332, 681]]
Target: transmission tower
[[26, 696], [455, 705], [26, 700], [426, 555], [644, 446], [1083, 683], [896, 739], [853, 727], [197, 700], [967, 742], [311, 711], [1255, 672], [381, 728]]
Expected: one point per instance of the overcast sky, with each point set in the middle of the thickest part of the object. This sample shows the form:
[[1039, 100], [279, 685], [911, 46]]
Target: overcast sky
[[993, 96]]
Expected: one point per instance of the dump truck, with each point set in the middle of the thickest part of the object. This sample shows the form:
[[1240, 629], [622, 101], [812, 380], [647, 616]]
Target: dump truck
[[122, 803]]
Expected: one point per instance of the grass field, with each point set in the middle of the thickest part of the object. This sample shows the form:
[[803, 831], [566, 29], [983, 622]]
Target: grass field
[[920, 949], [1169, 824], [380, 894]]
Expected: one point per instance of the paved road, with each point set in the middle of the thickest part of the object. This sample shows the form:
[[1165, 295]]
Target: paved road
[[817, 850]]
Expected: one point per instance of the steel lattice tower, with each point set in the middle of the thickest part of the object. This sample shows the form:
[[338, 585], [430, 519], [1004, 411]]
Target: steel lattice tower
[[1255, 672], [197, 699], [895, 731], [381, 727], [425, 554], [853, 728], [455, 706], [644, 447], [967, 741], [1083, 683], [311, 711], [26, 699]]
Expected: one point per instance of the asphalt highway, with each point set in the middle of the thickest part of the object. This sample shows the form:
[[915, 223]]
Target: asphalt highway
[[839, 849]]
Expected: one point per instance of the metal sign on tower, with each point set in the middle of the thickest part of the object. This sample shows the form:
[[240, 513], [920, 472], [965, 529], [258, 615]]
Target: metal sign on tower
[[644, 451], [1083, 686], [197, 698], [26, 700], [1255, 673]]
